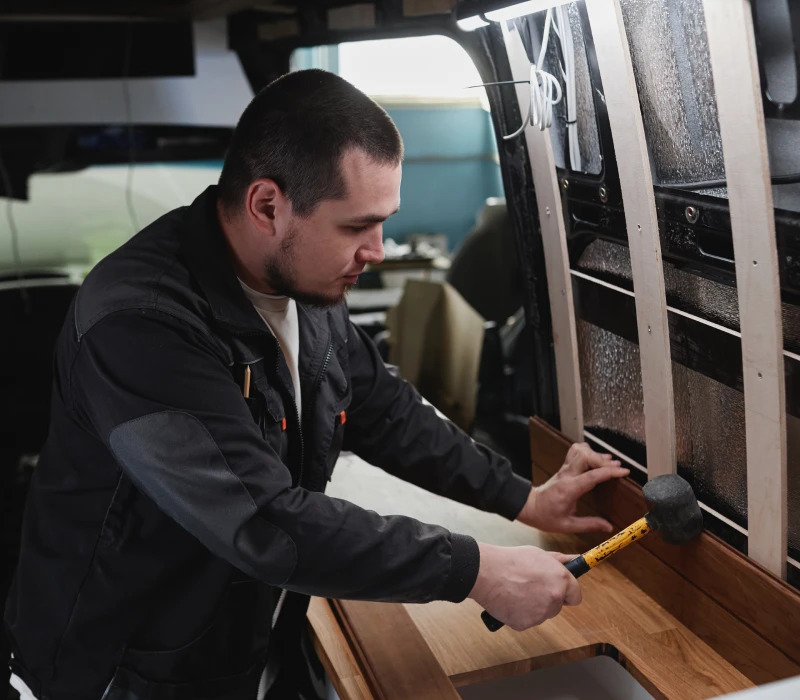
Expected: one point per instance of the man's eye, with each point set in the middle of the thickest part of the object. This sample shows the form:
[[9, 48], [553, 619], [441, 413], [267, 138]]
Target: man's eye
[[358, 229]]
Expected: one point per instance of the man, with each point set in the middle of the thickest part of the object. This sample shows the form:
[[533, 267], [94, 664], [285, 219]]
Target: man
[[207, 378]]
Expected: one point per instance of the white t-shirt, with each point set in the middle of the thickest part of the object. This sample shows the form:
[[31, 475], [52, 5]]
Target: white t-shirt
[[280, 315], [23, 690]]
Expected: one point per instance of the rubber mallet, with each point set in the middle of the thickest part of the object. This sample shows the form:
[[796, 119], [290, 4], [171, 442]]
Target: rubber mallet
[[673, 511]]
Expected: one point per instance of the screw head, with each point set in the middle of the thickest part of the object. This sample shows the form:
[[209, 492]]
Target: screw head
[[603, 192], [692, 214], [565, 183]]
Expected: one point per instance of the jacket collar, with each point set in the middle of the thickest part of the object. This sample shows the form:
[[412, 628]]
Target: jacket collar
[[208, 258]]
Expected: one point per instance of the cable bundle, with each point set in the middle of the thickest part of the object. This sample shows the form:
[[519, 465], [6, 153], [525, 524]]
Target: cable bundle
[[546, 90]]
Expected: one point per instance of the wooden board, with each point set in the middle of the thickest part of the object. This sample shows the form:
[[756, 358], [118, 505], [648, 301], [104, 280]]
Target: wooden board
[[399, 663], [425, 651], [554, 243], [633, 162], [747, 615], [684, 646], [734, 65], [335, 652], [615, 614]]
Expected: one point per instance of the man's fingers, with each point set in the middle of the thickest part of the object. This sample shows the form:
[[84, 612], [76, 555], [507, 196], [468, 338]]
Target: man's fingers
[[588, 524], [588, 480], [582, 458], [563, 558], [573, 595], [599, 459]]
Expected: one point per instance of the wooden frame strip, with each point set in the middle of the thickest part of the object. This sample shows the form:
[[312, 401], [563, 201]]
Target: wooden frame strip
[[734, 65], [633, 163], [768, 608], [554, 242]]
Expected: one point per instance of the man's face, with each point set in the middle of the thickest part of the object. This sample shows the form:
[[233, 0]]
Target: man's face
[[321, 256]]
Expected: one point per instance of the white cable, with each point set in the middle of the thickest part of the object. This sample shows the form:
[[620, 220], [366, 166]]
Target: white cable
[[545, 89], [564, 32]]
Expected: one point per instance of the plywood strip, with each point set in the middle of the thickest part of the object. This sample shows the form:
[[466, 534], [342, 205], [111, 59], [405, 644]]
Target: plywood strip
[[633, 163], [768, 608], [554, 242], [741, 120]]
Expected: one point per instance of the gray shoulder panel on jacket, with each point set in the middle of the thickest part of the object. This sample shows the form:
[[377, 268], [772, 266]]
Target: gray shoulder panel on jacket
[[173, 458]]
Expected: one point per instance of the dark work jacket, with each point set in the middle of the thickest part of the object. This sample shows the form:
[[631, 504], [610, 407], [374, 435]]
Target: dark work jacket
[[167, 511]]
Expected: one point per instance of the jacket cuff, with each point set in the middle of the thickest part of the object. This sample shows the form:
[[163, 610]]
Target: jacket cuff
[[512, 497], [465, 560]]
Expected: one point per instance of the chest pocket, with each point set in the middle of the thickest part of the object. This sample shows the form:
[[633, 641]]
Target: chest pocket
[[336, 443], [266, 408]]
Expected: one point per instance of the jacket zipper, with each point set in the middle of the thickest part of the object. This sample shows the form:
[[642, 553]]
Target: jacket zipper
[[312, 394], [320, 376]]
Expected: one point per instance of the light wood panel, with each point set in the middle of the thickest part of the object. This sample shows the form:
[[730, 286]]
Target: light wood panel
[[633, 163], [615, 615], [734, 66], [554, 243], [746, 614]]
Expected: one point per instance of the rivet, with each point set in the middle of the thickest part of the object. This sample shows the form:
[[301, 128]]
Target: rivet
[[603, 192], [755, 262], [692, 214], [759, 376], [638, 228], [547, 211], [565, 183], [648, 329]]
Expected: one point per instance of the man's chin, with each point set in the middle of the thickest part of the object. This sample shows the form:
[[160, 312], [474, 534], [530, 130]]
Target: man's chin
[[319, 300]]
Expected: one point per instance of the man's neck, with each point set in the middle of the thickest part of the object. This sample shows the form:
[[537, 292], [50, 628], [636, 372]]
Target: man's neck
[[246, 263]]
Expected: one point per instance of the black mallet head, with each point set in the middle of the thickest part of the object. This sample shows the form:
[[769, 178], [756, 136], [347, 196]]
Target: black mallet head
[[673, 509]]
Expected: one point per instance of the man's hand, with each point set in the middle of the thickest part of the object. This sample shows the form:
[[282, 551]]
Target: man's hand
[[523, 586], [551, 507]]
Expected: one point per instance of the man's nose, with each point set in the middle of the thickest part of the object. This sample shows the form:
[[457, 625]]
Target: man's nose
[[372, 251]]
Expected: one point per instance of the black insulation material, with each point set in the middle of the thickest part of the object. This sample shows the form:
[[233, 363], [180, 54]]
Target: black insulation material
[[709, 351]]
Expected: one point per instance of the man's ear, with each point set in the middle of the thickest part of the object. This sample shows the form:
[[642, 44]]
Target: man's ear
[[264, 203]]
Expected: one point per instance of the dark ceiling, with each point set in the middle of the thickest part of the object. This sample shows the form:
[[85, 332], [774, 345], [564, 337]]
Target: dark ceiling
[[80, 9]]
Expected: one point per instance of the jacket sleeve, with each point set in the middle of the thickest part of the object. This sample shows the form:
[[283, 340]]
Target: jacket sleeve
[[389, 426], [163, 400]]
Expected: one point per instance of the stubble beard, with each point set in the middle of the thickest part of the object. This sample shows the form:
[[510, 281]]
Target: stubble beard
[[279, 274]]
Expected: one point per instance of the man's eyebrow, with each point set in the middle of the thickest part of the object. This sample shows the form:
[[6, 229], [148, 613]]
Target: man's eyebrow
[[370, 219]]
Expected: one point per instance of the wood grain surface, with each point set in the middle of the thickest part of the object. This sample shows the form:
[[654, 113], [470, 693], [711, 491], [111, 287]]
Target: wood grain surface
[[745, 613], [674, 636], [335, 652], [401, 665], [615, 613]]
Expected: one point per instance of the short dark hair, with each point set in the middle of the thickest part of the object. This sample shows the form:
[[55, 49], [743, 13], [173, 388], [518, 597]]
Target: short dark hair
[[295, 132]]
